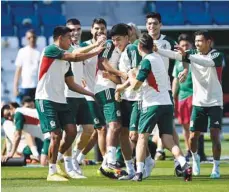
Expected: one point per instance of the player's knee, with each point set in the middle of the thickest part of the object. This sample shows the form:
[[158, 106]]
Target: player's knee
[[56, 137], [115, 127], [133, 136], [88, 129]]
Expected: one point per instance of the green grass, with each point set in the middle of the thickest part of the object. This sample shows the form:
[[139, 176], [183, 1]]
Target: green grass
[[162, 179], [21, 179]]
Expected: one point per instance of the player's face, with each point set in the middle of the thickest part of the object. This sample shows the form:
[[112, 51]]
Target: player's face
[[65, 41], [7, 114], [76, 33], [201, 43], [153, 26], [31, 38], [185, 45], [29, 105], [120, 41], [97, 30]]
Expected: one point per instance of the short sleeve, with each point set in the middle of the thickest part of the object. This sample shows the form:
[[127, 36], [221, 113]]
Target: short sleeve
[[217, 57], [109, 48], [19, 120], [145, 69], [19, 58], [135, 58], [175, 69], [52, 51], [69, 72]]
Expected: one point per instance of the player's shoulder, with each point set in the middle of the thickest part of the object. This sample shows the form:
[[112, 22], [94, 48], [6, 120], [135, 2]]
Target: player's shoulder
[[85, 43], [216, 53], [169, 39], [109, 42], [136, 42], [192, 51], [131, 47]]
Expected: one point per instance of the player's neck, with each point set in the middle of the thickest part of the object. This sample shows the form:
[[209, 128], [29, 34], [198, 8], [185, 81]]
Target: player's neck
[[156, 36], [205, 52]]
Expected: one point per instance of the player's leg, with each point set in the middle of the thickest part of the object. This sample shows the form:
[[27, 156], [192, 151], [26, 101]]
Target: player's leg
[[215, 115], [50, 123], [198, 124], [44, 152], [165, 125]]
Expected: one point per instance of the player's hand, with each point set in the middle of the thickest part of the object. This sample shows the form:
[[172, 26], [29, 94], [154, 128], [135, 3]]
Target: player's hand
[[155, 49], [180, 50], [101, 40], [100, 48], [5, 158], [182, 76], [132, 73], [118, 97], [124, 76], [119, 88], [106, 74]]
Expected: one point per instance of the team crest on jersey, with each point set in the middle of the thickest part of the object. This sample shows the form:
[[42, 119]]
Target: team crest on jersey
[[214, 55], [118, 113], [96, 120], [52, 123]]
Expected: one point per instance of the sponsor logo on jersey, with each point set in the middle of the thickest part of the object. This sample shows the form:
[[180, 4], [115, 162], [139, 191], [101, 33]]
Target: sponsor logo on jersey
[[214, 55], [118, 113], [216, 123]]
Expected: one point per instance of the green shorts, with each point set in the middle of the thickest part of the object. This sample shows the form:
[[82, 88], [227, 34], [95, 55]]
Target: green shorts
[[131, 111], [110, 107], [206, 117], [96, 114], [162, 115], [42, 147], [53, 115], [80, 110]]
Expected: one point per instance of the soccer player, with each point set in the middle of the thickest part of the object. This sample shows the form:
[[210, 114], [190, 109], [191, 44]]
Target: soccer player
[[184, 92], [157, 107], [77, 102], [90, 68], [54, 113], [26, 130], [206, 68]]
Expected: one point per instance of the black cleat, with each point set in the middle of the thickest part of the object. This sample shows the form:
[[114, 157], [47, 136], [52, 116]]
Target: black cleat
[[137, 177], [178, 171]]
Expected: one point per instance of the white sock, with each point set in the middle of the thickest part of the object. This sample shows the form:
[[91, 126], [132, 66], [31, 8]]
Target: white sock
[[140, 167], [111, 154], [130, 166], [34, 151], [215, 165], [52, 168], [80, 158], [194, 155], [181, 160], [59, 156], [160, 149], [104, 160], [68, 163], [149, 160], [75, 153]]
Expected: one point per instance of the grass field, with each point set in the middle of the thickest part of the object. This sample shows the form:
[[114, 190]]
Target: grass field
[[21, 179]]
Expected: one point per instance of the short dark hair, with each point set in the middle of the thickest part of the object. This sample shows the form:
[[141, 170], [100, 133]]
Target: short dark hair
[[184, 37], [99, 21], [147, 41], [73, 21], [15, 105], [60, 31], [26, 99], [4, 107], [205, 33], [119, 29], [154, 15]]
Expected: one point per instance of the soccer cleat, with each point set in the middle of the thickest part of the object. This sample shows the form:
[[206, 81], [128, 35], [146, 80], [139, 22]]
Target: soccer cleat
[[148, 169], [112, 168], [76, 166], [75, 175], [196, 165], [178, 171], [56, 177], [61, 170], [137, 177], [188, 174], [110, 175], [215, 175], [160, 155], [188, 155], [127, 177]]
